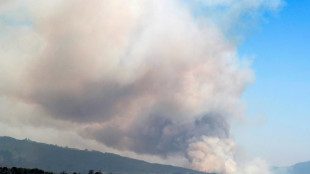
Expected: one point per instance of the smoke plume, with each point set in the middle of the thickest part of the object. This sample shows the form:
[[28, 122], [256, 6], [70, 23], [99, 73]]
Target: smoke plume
[[149, 77]]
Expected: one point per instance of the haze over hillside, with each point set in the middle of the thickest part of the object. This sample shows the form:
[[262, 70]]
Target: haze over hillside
[[30, 154], [299, 168]]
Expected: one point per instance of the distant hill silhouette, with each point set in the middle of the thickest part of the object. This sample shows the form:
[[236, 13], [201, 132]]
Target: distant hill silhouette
[[299, 168], [30, 154]]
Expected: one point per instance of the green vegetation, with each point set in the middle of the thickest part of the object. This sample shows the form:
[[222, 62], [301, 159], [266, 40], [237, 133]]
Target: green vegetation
[[14, 170], [29, 154]]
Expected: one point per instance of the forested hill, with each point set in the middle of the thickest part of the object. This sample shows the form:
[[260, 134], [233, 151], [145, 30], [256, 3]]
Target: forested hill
[[299, 168], [30, 154]]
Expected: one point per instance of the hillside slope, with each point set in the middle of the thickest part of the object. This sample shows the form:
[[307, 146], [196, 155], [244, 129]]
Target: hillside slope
[[30, 154], [299, 168]]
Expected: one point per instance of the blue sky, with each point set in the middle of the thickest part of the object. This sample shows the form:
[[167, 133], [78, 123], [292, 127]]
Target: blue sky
[[280, 94]]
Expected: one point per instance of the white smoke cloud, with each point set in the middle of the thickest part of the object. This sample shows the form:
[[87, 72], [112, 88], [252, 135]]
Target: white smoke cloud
[[213, 155], [141, 76]]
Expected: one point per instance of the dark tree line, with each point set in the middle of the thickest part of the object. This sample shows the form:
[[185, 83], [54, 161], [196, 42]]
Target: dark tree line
[[15, 170], [93, 172]]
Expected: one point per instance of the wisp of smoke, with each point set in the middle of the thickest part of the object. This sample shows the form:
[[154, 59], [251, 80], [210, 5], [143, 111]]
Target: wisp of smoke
[[143, 76]]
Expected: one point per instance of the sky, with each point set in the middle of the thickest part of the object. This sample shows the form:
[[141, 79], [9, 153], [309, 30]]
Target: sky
[[279, 98], [217, 86]]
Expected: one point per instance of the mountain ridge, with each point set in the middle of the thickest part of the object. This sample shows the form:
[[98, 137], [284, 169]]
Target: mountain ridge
[[298, 168], [31, 154]]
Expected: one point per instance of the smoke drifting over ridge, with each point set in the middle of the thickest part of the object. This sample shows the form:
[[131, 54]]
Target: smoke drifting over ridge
[[141, 76]]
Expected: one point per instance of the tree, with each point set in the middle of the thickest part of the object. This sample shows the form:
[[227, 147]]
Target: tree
[[91, 172]]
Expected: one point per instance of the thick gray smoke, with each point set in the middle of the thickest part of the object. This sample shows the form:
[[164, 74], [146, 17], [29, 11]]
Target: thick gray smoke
[[142, 76]]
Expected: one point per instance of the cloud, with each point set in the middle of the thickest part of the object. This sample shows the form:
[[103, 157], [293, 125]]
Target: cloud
[[243, 3], [213, 154], [235, 17], [137, 76]]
